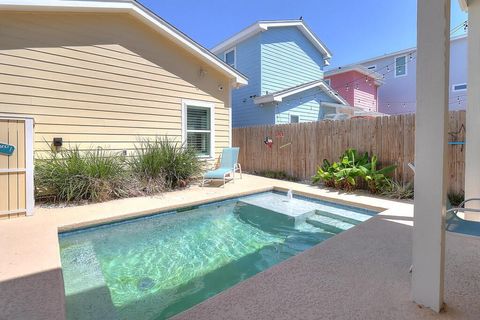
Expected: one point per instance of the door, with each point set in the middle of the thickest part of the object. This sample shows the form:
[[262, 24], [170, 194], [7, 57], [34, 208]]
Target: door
[[16, 167]]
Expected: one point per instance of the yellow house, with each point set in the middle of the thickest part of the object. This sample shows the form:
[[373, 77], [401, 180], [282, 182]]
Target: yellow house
[[105, 73]]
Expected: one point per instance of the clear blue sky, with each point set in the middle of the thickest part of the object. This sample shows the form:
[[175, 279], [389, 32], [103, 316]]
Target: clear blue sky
[[353, 30]]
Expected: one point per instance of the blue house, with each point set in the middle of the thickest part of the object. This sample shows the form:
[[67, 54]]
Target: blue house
[[284, 63]]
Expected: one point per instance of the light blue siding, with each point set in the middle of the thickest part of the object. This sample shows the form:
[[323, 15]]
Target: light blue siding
[[288, 59], [307, 108], [245, 112], [274, 60]]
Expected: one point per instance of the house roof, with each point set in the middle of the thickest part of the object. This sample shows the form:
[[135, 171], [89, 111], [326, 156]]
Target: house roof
[[400, 52], [264, 25], [358, 68], [138, 11], [279, 95]]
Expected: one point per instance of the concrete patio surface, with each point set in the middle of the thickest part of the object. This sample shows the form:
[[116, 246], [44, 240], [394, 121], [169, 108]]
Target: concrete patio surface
[[359, 274]]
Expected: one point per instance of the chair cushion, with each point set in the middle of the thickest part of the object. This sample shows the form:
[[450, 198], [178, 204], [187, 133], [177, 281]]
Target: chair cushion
[[217, 174]]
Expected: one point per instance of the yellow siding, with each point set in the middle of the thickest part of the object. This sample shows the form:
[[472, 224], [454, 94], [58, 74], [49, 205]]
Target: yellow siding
[[101, 80]]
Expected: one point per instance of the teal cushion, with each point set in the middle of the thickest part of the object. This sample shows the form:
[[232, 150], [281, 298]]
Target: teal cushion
[[217, 174]]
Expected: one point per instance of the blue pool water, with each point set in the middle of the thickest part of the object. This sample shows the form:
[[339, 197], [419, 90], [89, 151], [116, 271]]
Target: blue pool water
[[155, 267]]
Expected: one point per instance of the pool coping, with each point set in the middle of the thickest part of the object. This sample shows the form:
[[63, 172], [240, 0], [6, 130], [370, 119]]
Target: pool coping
[[39, 233]]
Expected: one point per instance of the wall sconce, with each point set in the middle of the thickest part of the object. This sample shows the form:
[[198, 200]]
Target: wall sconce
[[57, 143]]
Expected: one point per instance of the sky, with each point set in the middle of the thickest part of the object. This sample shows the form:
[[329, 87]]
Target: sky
[[353, 30]]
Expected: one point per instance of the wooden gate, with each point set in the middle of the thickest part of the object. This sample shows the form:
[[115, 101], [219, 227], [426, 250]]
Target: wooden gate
[[16, 167]]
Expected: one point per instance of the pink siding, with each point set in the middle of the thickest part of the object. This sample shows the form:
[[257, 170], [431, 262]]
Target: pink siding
[[354, 88]]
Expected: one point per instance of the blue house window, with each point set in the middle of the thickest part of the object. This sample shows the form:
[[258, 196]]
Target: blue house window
[[400, 66], [230, 57], [459, 87], [294, 119]]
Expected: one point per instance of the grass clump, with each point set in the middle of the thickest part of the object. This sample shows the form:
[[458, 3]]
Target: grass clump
[[398, 190], [163, 158], [280, 175], [456, 198], [71, 175]]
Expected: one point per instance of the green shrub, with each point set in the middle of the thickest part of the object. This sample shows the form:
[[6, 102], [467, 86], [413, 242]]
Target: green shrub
[[72, 175], [281, 175], [397, 190], [456, 198], [352, 169], [168, 159]]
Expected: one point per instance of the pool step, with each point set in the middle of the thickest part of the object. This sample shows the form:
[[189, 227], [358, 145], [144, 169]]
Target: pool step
[[329, 224], [348, 219]]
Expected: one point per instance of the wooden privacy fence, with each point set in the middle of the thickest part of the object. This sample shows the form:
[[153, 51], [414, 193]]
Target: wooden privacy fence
[[299, 148]]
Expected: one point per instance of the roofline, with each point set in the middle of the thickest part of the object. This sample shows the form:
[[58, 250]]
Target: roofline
[[279, 95], [263, 25], [137, 10], [358, 68], [397, 53]]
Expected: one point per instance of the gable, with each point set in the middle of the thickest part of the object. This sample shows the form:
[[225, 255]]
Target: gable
[[288, 59]]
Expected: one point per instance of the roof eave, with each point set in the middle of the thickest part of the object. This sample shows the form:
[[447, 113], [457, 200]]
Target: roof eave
[[139, 11]]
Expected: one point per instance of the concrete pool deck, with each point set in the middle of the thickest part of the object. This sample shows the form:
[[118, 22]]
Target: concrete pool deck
[[361, 273]]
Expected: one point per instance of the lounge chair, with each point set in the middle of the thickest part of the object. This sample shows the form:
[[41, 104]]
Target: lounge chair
[[228, 167], [456, 224]]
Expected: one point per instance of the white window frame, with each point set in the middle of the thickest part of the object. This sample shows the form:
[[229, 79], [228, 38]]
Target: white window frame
[[328, 81], [234, 49], [201, 104], [395, 66], [372, 67], [294, 115], [459, 84]]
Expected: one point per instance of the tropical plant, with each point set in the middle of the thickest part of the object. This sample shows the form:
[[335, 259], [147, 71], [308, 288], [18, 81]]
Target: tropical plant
[[376, 178], [74, 175], [352, 168], [167, 158]]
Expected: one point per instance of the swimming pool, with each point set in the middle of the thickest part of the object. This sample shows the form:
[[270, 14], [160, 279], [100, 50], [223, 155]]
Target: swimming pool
[[157, 266]]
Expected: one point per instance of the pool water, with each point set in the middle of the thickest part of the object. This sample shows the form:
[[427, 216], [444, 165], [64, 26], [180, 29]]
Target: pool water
[[155, 267]]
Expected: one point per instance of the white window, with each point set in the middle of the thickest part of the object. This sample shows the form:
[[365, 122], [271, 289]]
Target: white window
[[400, 66], [198, 127], [230, 58], [372, 67], [459, 87], [327, 81], [294, 119]]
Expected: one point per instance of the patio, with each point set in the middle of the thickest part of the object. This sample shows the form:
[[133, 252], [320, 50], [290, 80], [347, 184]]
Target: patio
[[361, 273]]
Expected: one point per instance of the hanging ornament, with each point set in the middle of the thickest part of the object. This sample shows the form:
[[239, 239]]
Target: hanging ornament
[[388, 68], [268, 142], [347, 87]]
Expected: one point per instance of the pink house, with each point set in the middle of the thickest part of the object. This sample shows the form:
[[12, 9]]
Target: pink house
[[358, 85]]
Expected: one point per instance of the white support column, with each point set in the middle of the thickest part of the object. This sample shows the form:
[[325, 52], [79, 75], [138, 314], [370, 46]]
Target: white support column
[[433, 56], [472, 147]]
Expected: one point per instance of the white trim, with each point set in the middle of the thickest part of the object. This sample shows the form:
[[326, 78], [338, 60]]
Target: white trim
[[360, 69], [234, 49], [261, 26], [328, 82], [137, 10], [459, 84], [202, 104], [30, 187], [395, 66], [278, 96]]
